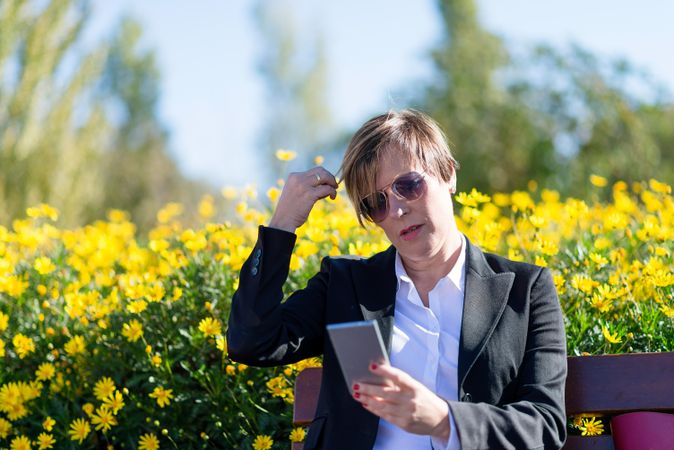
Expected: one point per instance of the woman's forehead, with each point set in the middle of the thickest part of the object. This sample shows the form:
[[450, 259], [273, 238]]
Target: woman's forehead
[[393, 163]]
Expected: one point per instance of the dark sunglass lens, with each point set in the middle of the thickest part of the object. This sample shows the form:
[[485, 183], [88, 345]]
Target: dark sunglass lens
[[375, 206], [410, 186]]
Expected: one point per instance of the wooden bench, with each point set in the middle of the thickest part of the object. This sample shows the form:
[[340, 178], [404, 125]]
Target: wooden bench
[[600, 385]]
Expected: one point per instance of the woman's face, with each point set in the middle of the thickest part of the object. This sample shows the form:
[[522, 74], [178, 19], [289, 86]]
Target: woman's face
[[419, 229]]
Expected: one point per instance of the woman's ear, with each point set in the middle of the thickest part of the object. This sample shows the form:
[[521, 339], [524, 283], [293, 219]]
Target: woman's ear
[[452, 184]]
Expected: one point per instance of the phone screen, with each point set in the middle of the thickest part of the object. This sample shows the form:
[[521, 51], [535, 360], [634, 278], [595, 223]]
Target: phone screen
[[357, 345]]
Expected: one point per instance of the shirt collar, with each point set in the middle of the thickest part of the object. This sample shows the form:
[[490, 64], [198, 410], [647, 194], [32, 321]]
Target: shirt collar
[[455, 275]]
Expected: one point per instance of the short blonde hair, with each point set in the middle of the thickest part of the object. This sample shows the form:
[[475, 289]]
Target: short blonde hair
[[415, 136]]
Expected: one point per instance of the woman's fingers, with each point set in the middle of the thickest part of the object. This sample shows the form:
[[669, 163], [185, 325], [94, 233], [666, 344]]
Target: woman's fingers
[[396, 376], [404, 402], [320, 175], [300, 193]]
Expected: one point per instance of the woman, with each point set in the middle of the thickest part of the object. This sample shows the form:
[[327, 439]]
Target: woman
[[476, 342]]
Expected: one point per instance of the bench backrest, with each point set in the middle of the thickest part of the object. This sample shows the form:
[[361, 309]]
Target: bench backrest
[[601, 385]]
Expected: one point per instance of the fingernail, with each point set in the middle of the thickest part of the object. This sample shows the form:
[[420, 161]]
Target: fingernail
[[374, 366], [356, 395], [356, 387]]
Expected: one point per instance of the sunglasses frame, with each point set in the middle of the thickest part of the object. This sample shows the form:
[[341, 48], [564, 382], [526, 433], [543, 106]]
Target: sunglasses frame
[[365, 210]]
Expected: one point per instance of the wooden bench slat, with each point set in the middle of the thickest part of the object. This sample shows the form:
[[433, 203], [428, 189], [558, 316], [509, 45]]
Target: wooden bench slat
[[307, 386], [587, 443], [612, 384], [604, 384]]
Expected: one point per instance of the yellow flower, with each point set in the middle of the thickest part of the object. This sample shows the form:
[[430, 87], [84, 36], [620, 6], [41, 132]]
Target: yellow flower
[[318, 160], [591, 427], [79, 430], [285, 155], [206, 208], [5, 428], [137, 306], [601, 302], [115, 401], [88, 409], [45, 441], [297, 435], [23, 345], [598, 181], [612, 338], [4, 321], [221, 344], [229, 193], [210, 327], [156, 359], [2, 348], [602, 243], [132, 330], [103, 419], [104, 388], [263, 442], [75, 345], [521, 201], [48, 423], [20, 443], [277, 386], [168, 212], [537, 221], [44, 266], [661, 188], [273, 193], [582, 283], [163, 396], [116, 215], [598, 259], [45, 371], [42, 210], [148, 442]]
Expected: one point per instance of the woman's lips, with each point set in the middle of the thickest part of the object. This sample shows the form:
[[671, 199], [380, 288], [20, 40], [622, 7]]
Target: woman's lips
[[409, 233]]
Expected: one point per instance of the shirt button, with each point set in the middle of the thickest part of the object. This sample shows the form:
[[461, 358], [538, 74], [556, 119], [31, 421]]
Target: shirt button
[[258, 252], [256, 261], [253, 271], [467, 397]]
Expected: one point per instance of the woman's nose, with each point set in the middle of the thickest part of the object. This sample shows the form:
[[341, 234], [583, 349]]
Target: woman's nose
[[397, 206]]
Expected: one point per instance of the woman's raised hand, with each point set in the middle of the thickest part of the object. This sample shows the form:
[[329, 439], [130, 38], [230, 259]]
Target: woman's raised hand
[[300, 192]]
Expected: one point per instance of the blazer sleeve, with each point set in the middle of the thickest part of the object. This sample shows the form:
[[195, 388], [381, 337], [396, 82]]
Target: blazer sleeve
[[263, 330], [537, 418]]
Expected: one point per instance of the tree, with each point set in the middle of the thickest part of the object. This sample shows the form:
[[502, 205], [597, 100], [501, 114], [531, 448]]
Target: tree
[[600, 126], [51, 130], [139, 176], [551, 115], [79, 128], [494, 135]]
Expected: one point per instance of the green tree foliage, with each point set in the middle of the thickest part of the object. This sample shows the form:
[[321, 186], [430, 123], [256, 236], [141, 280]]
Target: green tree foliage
[[607, 118], [51, 131], [78, 126], [550, 115], [139, 176], [295, 74], [492, 130]]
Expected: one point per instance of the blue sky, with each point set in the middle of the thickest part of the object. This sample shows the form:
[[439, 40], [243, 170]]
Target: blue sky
[[213, 100]]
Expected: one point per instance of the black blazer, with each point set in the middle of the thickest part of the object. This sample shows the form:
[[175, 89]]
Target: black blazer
[[512, 351]]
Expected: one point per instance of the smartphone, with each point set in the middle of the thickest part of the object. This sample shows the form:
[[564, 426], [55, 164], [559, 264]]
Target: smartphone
[[358, 344]]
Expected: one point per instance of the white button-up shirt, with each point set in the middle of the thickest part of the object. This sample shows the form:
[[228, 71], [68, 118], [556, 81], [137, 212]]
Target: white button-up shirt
[[425, 344]]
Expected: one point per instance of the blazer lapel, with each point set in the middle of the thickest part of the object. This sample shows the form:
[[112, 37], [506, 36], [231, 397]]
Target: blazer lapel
[[486, 295], [376, 286]]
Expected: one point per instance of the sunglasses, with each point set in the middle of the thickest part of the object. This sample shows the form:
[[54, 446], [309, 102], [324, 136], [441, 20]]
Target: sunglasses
[[410, 186]]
